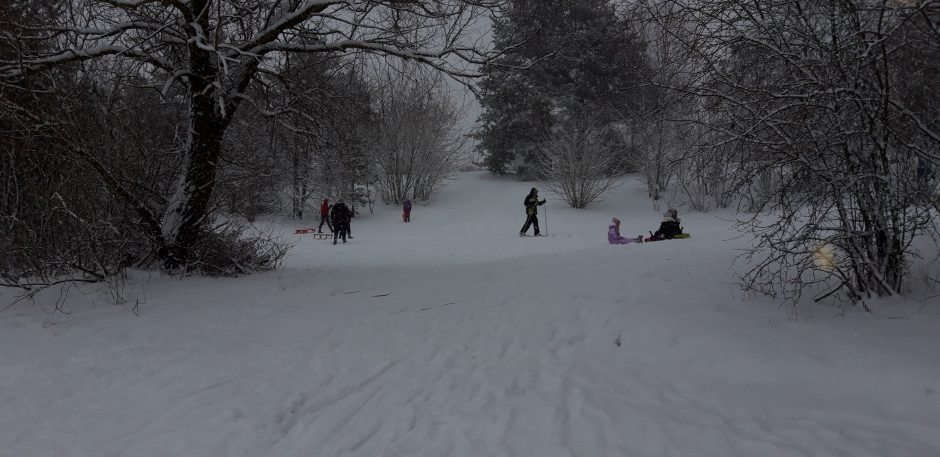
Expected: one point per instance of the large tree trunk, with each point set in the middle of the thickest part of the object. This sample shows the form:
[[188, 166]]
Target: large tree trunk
[[209, 116], [189, 207]]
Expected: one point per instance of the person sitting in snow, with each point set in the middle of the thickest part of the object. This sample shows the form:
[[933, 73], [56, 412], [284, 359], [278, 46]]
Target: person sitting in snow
[[613, 234], [531, 211], [669, 228], [406, 211]]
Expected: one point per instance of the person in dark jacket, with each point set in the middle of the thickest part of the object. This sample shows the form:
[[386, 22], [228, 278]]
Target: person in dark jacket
[[325, 216], [406, 211], [669, 228], [340, 216], [532, 204]]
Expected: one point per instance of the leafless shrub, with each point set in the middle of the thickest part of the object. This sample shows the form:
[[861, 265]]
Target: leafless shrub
[[418, 144], [235, 248], [578, 161]]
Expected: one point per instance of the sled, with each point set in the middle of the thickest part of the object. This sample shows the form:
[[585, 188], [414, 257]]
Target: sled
[[681, 236], [314, 233]]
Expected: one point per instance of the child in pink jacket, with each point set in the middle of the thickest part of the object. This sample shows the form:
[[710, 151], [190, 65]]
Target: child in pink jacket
[[613, 234]]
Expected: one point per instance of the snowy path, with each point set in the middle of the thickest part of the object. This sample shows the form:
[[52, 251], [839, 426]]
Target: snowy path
[[464, 345]]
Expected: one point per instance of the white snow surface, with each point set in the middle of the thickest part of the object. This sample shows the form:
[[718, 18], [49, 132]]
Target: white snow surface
[[452, 336]]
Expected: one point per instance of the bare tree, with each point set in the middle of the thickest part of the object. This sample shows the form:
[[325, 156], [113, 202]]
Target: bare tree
[[825, 109], [59, 221], [418, 144], [580, 160], [217, 50], [282, 157], [661, 134]]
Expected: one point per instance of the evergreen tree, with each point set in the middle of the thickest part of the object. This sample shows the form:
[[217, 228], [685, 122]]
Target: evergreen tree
[[561, 59]]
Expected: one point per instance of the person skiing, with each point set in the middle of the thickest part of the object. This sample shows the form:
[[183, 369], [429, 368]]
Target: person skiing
[[340, 216], [406, 210], [613, 234], [531, 211], [325, 216], [669, 228]]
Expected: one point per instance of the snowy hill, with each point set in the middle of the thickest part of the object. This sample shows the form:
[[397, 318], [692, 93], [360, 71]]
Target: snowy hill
[[452, 336]]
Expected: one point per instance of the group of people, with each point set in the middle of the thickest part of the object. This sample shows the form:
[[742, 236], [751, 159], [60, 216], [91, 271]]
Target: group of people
[[669, 228], [338, 218]]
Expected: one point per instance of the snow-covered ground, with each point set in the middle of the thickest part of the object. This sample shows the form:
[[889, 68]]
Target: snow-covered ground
[[451, 336]]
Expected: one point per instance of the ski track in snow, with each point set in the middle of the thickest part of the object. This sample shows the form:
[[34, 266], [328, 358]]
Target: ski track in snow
[[450, 336]]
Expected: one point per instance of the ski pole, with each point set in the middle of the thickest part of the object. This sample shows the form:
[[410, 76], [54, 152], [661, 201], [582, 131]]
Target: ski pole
[[546, 220]]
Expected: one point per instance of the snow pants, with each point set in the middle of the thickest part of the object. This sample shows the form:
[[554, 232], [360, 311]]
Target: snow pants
[[532, 220], [325, 218]]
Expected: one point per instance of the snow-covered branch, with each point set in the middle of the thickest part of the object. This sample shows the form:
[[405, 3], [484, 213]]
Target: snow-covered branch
[[74, 54]]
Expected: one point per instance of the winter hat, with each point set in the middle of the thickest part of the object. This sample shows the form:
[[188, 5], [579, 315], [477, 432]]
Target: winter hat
[[615, 221], [671, 212], [534, 191]]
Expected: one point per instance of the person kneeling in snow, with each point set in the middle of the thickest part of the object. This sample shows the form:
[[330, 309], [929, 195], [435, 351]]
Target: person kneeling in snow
[[669, 228], [613, 234]]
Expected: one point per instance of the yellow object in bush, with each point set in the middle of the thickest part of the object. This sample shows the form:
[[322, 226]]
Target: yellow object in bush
[[825, 258]]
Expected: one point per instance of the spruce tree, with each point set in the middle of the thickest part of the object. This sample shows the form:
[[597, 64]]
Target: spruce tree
[[562, 59]]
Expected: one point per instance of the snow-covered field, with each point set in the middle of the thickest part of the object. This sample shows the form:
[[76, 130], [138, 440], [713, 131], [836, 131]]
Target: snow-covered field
[[451, 336]]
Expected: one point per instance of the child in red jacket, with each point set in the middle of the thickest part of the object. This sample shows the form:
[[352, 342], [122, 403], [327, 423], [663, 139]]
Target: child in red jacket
[[325, 216]]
